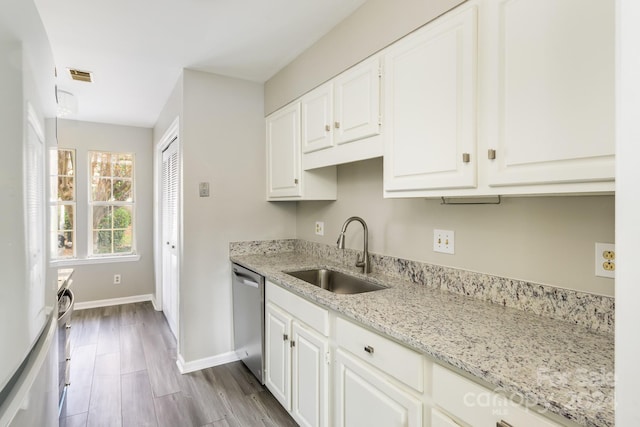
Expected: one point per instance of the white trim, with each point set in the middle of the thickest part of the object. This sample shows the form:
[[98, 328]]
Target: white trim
[[113, 301], [207, 362], [70, 262]]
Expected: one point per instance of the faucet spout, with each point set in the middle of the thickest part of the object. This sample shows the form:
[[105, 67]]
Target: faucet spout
[[364, 263]]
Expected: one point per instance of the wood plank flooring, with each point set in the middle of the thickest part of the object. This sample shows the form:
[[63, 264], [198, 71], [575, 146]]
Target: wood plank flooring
[[123, 373]]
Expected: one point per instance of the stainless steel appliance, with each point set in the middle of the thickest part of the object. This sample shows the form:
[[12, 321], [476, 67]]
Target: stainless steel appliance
[[66, 302], [248, 318]]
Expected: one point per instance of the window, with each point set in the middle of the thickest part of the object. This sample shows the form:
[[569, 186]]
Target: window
[[63, 203], [111, 203]]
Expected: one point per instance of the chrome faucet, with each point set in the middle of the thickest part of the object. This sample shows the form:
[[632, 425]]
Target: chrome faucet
[[364, 262]]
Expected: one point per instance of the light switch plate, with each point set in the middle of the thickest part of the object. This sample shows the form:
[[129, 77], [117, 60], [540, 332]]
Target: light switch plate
[[203, 189], [443, 241]]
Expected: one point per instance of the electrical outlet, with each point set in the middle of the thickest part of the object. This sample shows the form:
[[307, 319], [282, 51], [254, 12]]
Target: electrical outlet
[[605, 260], [443, 241], [320, 228], [117, 279]]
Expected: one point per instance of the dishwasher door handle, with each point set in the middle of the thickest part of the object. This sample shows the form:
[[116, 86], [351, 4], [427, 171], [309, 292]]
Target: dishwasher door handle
[[242, 279], [249, 283]]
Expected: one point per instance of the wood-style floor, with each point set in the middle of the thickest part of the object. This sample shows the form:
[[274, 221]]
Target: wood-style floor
[[123, 373]]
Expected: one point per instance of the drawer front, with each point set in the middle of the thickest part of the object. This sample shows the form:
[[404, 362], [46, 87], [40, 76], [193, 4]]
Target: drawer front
[[314, 316], [390, 357], [480, 406]]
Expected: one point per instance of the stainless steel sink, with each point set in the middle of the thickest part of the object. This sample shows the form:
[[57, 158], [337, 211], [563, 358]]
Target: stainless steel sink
[[336, 282]]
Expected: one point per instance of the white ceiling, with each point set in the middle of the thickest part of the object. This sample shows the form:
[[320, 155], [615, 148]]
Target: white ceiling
[[136, 49]]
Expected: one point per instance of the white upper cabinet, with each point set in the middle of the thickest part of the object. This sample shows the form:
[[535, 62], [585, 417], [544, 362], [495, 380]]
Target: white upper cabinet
[[503, 97], [550, 91], [341, 119], [317, 119], [357, 102], [430, 106], [285, 178], [283, 152]]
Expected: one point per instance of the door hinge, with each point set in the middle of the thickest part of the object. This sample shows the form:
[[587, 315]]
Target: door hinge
[[285, 337], [491, 154], [293, 343]]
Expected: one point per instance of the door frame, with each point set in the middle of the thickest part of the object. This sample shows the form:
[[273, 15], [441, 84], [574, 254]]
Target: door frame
[[171, 135]]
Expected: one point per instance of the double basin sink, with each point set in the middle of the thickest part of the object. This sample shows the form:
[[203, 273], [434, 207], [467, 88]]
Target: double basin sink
[[336, 282]]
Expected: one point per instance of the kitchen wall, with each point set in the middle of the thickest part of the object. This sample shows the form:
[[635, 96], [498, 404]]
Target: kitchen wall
[[92, 282], [540, 239], [546, 240], [222, 137]]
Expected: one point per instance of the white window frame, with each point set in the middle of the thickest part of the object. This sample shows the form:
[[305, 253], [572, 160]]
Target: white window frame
[[113, 256]]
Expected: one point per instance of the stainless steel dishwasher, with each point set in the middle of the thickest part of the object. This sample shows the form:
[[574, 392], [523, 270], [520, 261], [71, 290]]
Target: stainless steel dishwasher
[[248, 318]]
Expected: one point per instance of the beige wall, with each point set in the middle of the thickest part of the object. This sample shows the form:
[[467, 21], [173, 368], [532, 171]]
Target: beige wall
[[541, 239], [375, 25], [222, 137], [95, 281]]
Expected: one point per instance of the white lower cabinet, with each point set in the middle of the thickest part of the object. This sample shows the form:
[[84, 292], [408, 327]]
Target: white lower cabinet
[[309, 377], [296, 357], [365, 397], [477, 405], [329, 371]]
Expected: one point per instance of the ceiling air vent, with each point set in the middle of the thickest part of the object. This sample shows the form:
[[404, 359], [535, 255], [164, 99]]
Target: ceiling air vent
[[81, 76]]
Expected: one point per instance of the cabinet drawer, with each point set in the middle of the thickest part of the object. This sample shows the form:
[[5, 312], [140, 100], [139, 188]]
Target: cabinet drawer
[[392, 358], [309, 313], [480, 406]]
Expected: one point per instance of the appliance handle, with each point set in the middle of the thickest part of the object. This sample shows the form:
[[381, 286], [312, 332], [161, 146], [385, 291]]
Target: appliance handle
[[247, 282], [63, 317]]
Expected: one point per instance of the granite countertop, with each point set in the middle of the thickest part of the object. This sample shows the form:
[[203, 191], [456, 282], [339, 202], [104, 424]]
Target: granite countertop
[[563, 367]]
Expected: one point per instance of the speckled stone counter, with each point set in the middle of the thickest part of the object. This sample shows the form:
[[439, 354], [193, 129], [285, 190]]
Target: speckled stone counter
[[561, 366]]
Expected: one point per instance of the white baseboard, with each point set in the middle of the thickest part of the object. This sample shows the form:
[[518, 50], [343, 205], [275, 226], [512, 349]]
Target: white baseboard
[[113, 301], [207, 362]]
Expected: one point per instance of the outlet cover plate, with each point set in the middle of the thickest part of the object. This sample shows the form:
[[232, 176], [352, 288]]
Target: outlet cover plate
[[444, 241], [605, 257], [320, 228]]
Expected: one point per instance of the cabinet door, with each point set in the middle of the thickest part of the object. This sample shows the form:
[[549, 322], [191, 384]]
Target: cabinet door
[[430, 106], [550, 87], [357, 102], [278, 355], [365, 398], [309, 377], [317, 108], [283, 152]]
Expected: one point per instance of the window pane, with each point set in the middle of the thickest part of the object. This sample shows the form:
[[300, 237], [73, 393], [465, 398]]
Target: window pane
[[102, 242], [63, 227], [100, 189], [65, 189], [122, 190], [102, 218], [123, 165], [100, 163], [66, 162]]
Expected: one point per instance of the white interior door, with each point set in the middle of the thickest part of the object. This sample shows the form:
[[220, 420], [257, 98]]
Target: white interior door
[[170, 204]]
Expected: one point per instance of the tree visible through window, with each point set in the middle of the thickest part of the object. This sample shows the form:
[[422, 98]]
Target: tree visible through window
[[112, 202], [63, 203]]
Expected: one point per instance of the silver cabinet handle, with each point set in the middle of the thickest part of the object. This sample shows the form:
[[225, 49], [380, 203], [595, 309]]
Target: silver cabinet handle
[[503, 423], [368, 349]]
